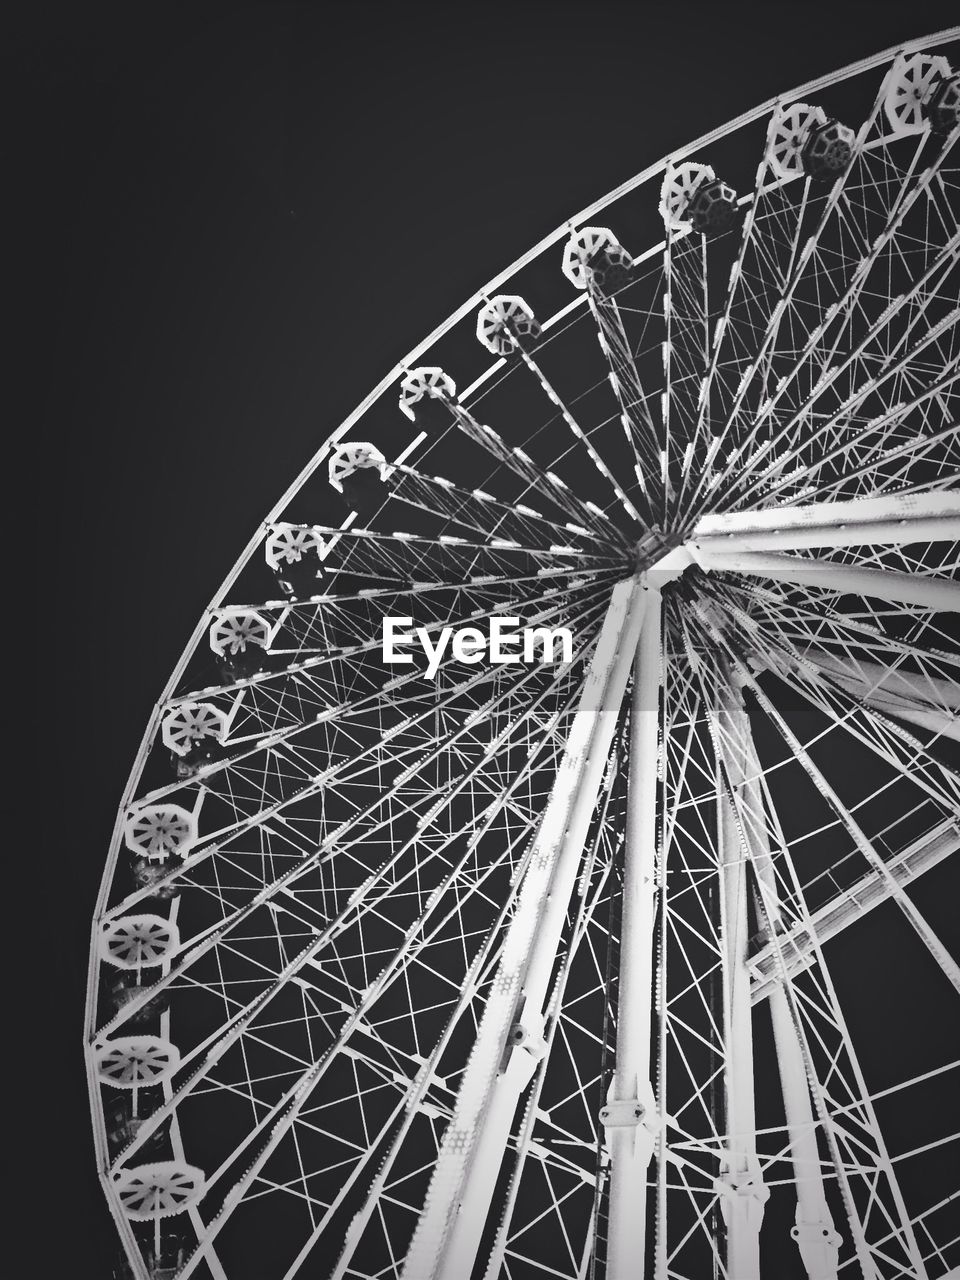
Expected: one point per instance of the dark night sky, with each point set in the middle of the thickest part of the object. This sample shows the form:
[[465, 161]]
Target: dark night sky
[[243, 216]]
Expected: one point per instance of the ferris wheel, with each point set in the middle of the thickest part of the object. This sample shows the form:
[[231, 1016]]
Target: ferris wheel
[[549, 959]]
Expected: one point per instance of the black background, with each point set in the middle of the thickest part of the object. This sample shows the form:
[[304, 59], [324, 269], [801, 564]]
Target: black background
[[240, 217]]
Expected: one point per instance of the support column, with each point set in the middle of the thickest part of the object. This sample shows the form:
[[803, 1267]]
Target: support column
[[510, 1041], [630, 1116], [814, 1233], [818, 1242], [743, 1194]]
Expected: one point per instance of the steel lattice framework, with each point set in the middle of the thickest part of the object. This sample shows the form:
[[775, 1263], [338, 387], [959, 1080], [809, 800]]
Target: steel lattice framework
[[538, 969]]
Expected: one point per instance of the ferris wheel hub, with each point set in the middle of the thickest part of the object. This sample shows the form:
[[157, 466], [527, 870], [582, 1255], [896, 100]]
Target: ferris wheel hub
[[672, 564]]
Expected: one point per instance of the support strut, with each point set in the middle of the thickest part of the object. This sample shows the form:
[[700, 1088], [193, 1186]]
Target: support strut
[[813, 1231], [919, 700], [891, 520], [630, 1116], [740, 1183], [806, 571], [509, 1042]]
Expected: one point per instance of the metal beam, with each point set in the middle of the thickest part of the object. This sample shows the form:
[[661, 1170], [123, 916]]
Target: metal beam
[[509, 1042], [813, 1231], [895, 682], [740, 1183], [895, 585], [919, 700], [630, 1116], [927, 935], [891, 520], [797, 946]]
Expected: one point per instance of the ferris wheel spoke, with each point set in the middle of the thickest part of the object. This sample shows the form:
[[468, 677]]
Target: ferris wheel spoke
[[891, 465], [361, 821], [797, 945], [274, 1130], [866, 451], [331, 921], [911, 760], [595, 262], [927, 700], [472, 601], [307, 693], [377, 1189], [481, 513], [749, 430], [786, 435], [642, 435], [407, 561], [406, 692], [922, 465], [819, 624], [358, 903], [875, 242], [395, 593], [686, 359], [889, 373], [768, 249], [381, 558], [901, 750], [890, 381], [401, 554], [582, 441], [544, 482], [241, 1023], [926, 461], [357, 756]]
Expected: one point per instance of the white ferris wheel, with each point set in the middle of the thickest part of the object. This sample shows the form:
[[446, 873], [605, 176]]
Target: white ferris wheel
[[543, 969]]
